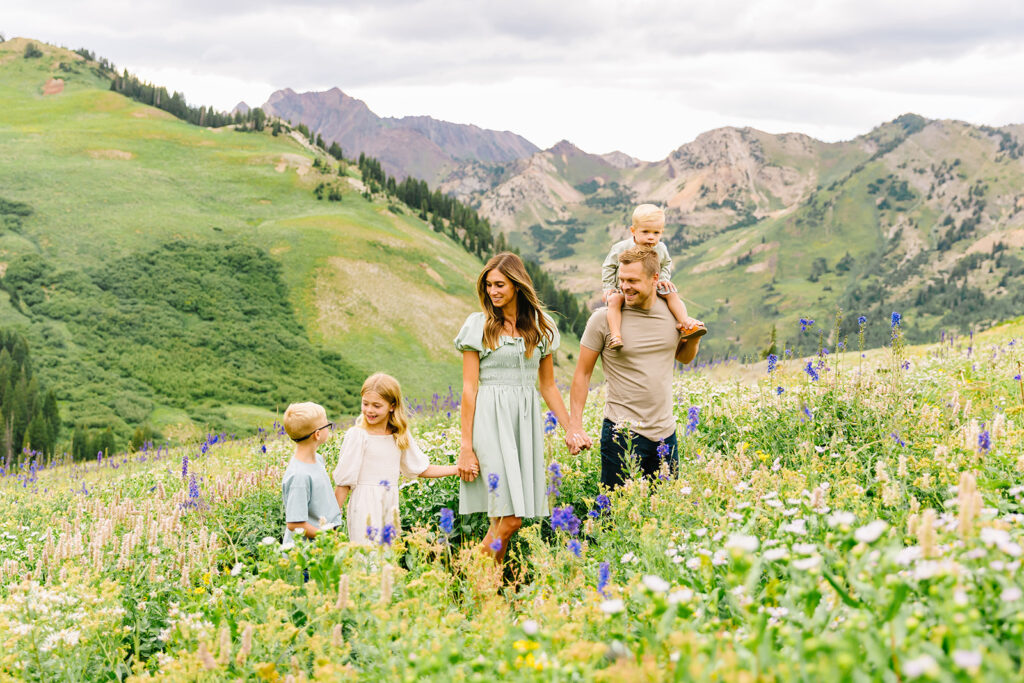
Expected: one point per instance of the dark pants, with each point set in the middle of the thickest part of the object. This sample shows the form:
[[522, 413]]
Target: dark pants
[[618, 447]]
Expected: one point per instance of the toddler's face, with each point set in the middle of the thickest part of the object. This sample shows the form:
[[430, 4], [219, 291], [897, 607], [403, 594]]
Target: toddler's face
[[648, 234], [375, 409]]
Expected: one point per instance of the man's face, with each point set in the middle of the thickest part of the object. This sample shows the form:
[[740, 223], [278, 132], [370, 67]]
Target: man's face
[[637, 287]]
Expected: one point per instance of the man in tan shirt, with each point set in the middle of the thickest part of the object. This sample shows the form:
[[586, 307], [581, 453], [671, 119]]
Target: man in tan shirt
[[638, 415]]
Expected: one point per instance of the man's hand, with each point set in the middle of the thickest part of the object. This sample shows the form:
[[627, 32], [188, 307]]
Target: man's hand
[[468, 465], [577, 439]]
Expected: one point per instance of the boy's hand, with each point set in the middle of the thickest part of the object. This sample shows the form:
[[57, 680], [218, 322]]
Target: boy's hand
[[667, 287]]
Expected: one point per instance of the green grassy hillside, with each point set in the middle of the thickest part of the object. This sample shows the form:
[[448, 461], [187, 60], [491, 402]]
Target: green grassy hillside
[[180, 275]]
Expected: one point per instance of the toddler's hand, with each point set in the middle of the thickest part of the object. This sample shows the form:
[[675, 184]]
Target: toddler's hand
[[666, 287]]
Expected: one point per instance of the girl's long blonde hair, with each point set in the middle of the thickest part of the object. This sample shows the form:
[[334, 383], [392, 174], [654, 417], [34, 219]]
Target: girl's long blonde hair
[[530, 321], [388, 388]]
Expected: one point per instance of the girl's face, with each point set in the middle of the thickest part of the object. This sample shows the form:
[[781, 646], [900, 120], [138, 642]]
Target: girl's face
[[375, 409], [499, 288]]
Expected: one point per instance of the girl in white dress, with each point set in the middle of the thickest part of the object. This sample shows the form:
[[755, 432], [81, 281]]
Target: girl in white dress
[[374, 452]]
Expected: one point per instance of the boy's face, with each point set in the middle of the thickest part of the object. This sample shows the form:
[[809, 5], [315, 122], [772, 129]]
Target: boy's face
[[375, 408], [648, 234]]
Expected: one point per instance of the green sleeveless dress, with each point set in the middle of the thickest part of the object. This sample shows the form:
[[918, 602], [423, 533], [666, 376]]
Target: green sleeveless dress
[[508, 430]]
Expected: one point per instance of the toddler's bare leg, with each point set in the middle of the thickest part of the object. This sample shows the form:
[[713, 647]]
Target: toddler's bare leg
[[675, 304], [615, 300]]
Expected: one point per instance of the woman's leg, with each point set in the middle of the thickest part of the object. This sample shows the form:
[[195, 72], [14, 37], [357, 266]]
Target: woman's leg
[[502, 529]]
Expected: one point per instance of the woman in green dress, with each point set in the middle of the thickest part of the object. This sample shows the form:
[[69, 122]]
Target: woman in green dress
[[506, 351]]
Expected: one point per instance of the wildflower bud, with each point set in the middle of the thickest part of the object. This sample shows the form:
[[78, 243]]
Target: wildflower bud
[[225, 646], [386, 584], [342, 601], [246, 648], [912, 523], [967, 503], [1020, 463], [206, 658], [337, 640], [926, 533], [901, 469], [296, 669]]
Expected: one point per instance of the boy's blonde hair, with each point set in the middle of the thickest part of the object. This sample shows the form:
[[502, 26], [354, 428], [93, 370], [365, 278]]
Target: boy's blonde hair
[[648, 214], [388, 388], [301, 419]]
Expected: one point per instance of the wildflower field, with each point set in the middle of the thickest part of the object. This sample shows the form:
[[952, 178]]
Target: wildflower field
[[844, 517]]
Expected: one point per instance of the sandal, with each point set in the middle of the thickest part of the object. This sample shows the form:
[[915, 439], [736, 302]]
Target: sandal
[[615, 342], [697, 330]]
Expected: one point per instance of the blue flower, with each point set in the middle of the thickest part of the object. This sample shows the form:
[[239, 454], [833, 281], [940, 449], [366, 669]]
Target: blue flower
[[664, 450], [692, 419], [811, 372], [184, 465], [895, 320], [778, 391], [555, 470], [602, 502], [807, 412], [385, 483], [604, 575], [387, 534], [773, 360], [575, 547], [896, 437], [371, 532], [862, 319], [447, 521], [984, 440], [1017, 377], [905, 365], [492, 482], [495, 545], [564, 518], [805, 323], [550, 422]]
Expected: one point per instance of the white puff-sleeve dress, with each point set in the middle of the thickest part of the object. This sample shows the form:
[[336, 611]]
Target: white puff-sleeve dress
[[371, 464]]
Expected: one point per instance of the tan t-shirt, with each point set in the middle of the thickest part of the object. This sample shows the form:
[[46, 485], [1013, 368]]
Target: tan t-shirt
[[639, 374]]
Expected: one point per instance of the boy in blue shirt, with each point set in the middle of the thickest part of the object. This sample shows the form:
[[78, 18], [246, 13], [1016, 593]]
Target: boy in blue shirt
[[309, 501]]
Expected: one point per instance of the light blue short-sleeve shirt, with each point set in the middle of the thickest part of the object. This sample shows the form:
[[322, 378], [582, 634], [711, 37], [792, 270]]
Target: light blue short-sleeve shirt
[[308, 496]]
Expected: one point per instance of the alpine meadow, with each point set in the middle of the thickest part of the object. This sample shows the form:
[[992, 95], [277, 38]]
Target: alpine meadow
[[848, 503]]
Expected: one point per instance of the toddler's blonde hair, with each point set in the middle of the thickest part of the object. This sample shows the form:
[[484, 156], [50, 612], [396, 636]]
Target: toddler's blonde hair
[[301, 419], [648, 214], [388, 388]]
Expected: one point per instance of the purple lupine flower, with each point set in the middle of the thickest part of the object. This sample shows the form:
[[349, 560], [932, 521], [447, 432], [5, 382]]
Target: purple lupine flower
[[555, 470], [805, 323], [550, 422], [604, 575], [692, 419], [492, 483], [984, 440], [861, 320], [895, 320], [811, 372], [664, 450], [371, 533], [388, 534], [575, 547], [603, 503], [778, 391], [495, 545], [447, 521], [773, 360], [896, 437], [564, 518], [184, 465], [807, 412]]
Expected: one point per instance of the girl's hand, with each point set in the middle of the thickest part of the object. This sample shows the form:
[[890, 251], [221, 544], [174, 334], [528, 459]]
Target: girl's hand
[[468, 464]]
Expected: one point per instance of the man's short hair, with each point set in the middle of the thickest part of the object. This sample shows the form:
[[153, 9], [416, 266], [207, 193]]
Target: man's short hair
[[645, 255], [301, 419], [648, 214]]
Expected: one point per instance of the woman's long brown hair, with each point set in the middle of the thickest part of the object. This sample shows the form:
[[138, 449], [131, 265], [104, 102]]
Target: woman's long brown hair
[[529, 319]]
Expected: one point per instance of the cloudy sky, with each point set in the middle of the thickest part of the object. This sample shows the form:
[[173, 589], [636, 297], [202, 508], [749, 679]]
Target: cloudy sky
[[641, 76]]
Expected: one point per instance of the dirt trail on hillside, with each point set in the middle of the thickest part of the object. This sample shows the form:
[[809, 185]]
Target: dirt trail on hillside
[[53, 86]]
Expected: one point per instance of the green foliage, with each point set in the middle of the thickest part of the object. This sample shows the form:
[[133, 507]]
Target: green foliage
[[32, 51], [29, 417], [191, 324]]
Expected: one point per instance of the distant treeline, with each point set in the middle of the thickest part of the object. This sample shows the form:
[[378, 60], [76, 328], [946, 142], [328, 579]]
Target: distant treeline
[[31, 420], [175, 104], [473, 232]]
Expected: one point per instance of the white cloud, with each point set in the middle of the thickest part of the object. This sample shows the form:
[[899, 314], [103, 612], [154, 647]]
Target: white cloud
[[643, 77]]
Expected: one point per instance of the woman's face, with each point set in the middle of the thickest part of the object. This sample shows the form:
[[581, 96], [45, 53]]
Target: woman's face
[[375, 408], [500, 289]]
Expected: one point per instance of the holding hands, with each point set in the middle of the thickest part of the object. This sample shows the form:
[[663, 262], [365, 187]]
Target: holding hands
[[576, 439], [468, 465]]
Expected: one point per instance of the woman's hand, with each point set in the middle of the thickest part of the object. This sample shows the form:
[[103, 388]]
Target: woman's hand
[[468, 465]]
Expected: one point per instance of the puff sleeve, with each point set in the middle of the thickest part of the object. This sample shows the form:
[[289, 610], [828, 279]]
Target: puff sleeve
[[547, 346], [471, 336], [350, 459], [414, 460]]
